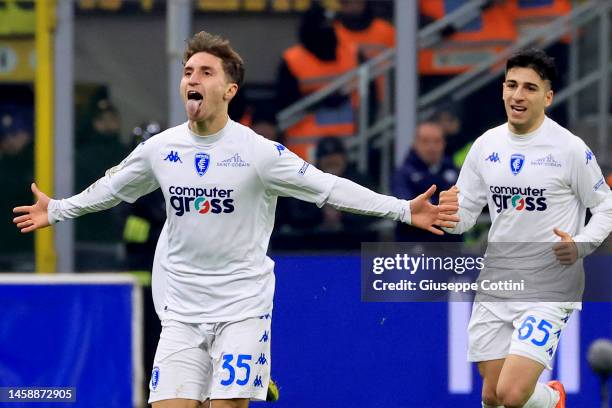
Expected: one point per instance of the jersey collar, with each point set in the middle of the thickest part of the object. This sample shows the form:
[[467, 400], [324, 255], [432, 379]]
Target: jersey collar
[[527, 137], [210, 139]]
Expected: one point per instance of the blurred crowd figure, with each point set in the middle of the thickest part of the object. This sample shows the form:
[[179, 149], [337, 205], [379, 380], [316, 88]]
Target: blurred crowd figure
[[302, 224], [425, 164], [500, 25], [263, 122], [316, 61], [98, 147], [330, 46], [16, 174], [357, 25]]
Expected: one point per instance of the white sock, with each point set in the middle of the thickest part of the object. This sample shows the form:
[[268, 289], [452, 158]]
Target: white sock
[[491, 406], [543, 397]]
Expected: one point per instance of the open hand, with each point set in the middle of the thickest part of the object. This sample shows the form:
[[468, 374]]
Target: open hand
[[427, 216], [566, 251], [34, 216]]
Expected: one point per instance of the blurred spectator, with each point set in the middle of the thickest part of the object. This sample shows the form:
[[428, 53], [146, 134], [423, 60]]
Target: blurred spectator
[[239, 110], [460, 50], [531, 15], [448, 116], [357, 26], [309, 66], [426, 164], [16, 174], [327, 228], [264, 123], [98, 148], [528, 16]]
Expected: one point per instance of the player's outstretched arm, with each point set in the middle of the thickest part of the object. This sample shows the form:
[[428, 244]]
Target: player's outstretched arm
[[427, 216], [33, 216]]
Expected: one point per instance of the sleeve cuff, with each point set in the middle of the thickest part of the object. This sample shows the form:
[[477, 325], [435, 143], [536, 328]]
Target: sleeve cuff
[[53, 212], [584, 246], [405, 213]]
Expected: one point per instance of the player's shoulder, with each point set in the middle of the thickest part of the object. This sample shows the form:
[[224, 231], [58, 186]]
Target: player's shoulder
[[169, 135], [242, 133], [256, 142], [494, 133], [565, 141], [490, 137]]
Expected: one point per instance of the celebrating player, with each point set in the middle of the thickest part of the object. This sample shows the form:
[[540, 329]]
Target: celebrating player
[[220, 181], [538, 179]]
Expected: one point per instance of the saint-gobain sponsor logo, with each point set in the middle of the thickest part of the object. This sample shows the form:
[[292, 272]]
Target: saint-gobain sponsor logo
[[211, 200], [519, 198]]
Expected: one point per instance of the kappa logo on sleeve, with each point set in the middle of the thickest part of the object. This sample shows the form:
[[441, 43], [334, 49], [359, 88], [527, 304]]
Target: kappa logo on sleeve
[[589, 156], [280, 148]]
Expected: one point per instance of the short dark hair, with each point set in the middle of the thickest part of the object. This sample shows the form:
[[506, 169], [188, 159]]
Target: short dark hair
[[537, 60], [232, 62]]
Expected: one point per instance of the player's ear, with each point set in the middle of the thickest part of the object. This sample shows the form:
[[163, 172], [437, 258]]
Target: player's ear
[[230, 91], [549, 97]]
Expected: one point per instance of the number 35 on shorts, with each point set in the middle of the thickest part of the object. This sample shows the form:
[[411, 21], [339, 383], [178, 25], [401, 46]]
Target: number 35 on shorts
[[242, 364]]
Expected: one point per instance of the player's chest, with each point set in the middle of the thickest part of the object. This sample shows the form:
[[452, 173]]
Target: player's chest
[[189, 166], [543, 168]]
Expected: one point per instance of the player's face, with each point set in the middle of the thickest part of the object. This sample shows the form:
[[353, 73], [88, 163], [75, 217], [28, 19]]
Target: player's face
[[205, 88], [525, 95]]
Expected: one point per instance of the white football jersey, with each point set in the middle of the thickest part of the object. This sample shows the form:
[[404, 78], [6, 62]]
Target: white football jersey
[[532, 184], [220, 194]]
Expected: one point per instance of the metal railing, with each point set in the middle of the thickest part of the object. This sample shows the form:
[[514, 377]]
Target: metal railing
[[380, 133], [428, 36]]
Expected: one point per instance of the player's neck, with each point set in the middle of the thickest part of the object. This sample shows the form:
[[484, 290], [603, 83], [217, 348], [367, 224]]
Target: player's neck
[[526, 130], [210, 126]]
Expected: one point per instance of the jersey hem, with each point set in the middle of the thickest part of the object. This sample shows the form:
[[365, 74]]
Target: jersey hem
[[221, 319]]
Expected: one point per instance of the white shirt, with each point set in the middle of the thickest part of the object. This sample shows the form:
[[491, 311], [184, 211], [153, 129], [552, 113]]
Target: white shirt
[[532, 184], [220, 194]]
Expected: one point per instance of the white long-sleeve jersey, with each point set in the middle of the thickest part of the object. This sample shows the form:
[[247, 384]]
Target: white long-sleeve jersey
[[220, 194], [532, 184]]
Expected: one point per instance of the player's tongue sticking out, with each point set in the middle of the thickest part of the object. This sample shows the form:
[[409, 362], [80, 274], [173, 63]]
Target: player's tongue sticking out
[[193, 106]]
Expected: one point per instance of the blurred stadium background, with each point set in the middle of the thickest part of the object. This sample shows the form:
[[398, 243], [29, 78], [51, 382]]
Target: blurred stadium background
[[82, 81]]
